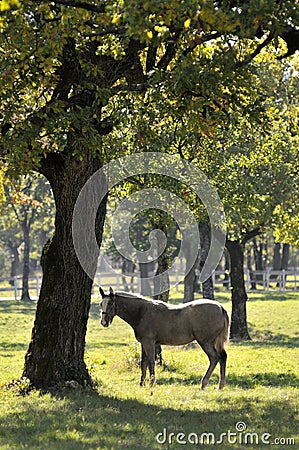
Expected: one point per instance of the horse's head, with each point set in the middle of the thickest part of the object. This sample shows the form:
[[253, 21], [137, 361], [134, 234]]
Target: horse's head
[[108, 307]]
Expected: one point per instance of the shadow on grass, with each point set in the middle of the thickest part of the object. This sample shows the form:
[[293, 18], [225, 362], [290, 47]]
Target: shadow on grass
[[17, 307], [83, 419], [273, 296], [267, 338], [266, 379], [103, 344], [9, 346]]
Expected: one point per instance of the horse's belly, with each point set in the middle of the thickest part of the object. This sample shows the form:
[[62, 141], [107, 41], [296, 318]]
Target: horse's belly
[[176, 340]]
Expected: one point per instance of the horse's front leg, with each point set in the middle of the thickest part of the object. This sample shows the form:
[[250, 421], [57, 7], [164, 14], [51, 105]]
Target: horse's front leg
[[149, 349], [144, 364]]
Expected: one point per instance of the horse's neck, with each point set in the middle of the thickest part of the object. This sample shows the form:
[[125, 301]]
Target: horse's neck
[[129, 310]]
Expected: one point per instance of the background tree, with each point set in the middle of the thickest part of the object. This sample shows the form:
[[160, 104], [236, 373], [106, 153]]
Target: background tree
[[26, 199], [11, 239]]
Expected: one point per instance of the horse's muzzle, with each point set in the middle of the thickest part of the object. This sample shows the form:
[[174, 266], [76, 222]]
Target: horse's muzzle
[[104, 322], [106, 319]]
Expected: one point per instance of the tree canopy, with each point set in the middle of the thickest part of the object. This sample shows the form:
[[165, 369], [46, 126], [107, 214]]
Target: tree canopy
[[69, 66]]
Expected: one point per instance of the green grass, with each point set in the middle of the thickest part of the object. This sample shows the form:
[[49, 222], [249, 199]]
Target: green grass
[[262, 387]]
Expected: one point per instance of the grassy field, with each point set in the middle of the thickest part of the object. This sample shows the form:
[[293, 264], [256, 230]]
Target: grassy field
[[257, 409]]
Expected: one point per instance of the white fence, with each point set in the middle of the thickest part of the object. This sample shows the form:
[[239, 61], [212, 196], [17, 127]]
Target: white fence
[[263, 280], [255, 281]]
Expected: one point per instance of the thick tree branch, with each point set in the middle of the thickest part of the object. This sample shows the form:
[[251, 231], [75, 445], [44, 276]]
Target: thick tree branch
[[251, 234], [291, 38], [7, 193], [198, 40], [151, 58], [258, 49], [169, 52], [83, 5], [5, 127]]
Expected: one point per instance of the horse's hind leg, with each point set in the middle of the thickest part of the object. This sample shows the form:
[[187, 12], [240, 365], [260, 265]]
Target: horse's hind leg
[[144, 364], [223, 357], [158, 354], [148, 346], [214, 358]]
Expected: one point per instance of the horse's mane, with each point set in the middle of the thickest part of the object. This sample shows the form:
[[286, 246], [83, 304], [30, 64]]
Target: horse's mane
[[134, 296]]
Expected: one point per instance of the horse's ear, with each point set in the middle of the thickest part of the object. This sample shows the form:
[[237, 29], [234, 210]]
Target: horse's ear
[[111, 292], [102, 292]]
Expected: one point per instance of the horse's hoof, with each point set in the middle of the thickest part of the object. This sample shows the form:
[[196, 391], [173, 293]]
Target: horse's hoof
[[152, 382]]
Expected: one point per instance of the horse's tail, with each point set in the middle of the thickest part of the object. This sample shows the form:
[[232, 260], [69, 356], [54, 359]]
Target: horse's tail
[[223, 336]]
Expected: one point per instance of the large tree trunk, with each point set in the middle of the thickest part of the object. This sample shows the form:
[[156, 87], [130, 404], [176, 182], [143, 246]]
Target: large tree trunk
[[258, 254], [226, 281], [56, 350], [238, 329], [258, 249], [190, 277], [276, 260], [205, 243], [15, 261], [25, 297], [249, 267], [161, 280], [285, 256], [277, 256], [145, 286], [162, 285], [189, 285]]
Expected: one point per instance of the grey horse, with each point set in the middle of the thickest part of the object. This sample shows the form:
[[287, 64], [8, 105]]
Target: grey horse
[[155, 322]]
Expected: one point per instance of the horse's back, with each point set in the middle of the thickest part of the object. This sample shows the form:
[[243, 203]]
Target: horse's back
[[208, 318]]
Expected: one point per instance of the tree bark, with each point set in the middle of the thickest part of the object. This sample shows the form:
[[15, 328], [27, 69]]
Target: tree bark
[[205, 243], [145, 287], [124, 271], [226, 280], [249, 267], [189, 279], [56, 350], [208, 289], [276, 259], [238, 329], [285, 256], [162, 284], [15, 261], [258, 257], [25, 297], [277, 256], [189, 285]]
